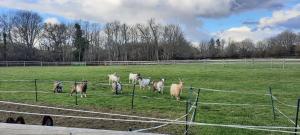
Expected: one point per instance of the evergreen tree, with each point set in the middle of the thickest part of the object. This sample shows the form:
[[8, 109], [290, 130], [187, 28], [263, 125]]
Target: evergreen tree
[[211, 48], [80, 43]]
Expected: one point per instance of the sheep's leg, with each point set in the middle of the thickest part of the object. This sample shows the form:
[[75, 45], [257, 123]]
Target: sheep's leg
[[81, 94], [84, 94]]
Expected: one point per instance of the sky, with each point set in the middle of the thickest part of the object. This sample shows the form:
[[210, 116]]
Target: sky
[[199, 19]]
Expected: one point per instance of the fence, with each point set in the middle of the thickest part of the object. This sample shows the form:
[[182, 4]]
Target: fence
[[271, 62], [191, 109]]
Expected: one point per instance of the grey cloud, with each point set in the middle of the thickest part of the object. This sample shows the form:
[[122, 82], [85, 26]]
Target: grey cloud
[[244, 5], [187, 12], [250, 22], [293, 23]]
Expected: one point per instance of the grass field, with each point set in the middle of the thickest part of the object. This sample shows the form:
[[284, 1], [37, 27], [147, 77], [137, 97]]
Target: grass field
[[252, 83]]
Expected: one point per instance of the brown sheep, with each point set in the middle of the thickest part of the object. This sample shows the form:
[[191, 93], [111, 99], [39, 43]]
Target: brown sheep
[[80, 87]]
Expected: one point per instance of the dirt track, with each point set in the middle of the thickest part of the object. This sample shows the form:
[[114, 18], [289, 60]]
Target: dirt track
[[83, 123]]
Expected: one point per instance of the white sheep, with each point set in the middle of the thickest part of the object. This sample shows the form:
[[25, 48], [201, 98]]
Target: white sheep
[[144, 82], [176, 89], [113, 78], [159, 85], [133, 77], [116, 87]]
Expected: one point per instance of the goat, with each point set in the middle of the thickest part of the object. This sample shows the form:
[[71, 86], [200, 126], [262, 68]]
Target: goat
[[116, 87], [57, 87], [133, 77], [175, 89], [80, 87], [159, 85], [143, 82], [113, 78]]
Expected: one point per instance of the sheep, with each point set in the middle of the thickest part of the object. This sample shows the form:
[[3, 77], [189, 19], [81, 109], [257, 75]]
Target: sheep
[[176, 89], [144, 82], [80, 87], [133, 77], [57, 87], [116, 87], [159, 85], [113, 77]]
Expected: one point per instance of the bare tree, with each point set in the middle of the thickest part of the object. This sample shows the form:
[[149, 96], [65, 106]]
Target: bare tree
[[27, 27], [54, 36]]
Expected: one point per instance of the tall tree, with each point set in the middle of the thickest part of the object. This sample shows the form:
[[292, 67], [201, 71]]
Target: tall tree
[[80, 43], [27, 26], [54, 37], [211, 48]]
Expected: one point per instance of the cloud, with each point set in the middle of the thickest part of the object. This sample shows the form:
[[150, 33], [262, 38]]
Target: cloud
[[286, 18], [245, 32], [250, 23], [52, 20], [184, 12]]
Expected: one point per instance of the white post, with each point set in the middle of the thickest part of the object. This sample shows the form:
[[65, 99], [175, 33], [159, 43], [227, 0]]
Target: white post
[[283, 63], [24, 63], [271, 63]]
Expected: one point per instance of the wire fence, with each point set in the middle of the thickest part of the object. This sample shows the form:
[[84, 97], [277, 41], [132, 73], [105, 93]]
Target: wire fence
[[162, 121]]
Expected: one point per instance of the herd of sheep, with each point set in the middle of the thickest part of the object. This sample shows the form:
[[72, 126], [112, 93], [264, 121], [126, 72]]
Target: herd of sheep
[[114, 81]]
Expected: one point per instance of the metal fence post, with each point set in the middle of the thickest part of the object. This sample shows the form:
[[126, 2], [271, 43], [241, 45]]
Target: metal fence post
[[116, 88], [190, 95], [36, 97], [186, 117], [75, 93], [297, 112], [272, 102], [197, 100], [132, 97]]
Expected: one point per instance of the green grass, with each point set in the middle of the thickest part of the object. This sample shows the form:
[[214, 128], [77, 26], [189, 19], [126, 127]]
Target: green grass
[[245, 78]]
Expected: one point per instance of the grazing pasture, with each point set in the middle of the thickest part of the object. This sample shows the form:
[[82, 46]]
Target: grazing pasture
[[236, 95]]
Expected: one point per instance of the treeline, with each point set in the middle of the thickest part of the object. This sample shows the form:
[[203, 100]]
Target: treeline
[[284, 45], [24, 36]]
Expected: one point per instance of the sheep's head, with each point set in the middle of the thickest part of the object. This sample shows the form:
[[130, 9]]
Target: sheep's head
[[181, 82], [85, 82], [163, 80]]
